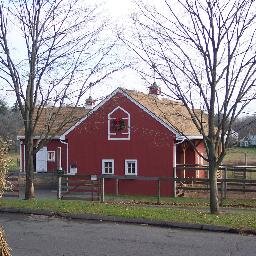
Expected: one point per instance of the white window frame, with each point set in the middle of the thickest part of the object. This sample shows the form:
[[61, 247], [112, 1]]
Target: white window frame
[[110, 119], [103, 166], [50, 159], [127, 161]]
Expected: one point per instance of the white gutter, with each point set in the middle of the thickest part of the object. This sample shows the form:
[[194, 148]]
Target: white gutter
[[21, 160], [21, 137], [189, 137], [66, 143]]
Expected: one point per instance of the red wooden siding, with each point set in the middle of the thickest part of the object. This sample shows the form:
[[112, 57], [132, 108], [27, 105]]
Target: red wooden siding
[[120, 130], [51, 146], [186, 154], [151, 144], [118, 124]]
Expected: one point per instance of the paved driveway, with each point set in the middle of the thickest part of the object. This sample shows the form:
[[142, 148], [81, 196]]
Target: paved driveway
[[31, 235]]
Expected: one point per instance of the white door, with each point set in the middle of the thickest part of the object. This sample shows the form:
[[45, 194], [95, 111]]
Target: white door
[[41, 160]]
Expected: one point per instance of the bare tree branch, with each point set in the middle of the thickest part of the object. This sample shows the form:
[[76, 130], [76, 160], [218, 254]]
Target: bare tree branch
[[205, 57]]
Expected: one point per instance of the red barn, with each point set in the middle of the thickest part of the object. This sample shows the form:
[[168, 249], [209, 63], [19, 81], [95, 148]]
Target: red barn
[[128, 134]]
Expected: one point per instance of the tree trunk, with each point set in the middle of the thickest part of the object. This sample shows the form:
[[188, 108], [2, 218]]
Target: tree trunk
[[29, 164], [214, 202]]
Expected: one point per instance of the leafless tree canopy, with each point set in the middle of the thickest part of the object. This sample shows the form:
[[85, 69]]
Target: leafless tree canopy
[[60, 52], [204, 53], [51, 52]]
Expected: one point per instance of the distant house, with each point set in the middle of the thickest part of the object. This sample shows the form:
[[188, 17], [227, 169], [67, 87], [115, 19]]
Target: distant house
[[234, 138], [128, 134], [248, 141]]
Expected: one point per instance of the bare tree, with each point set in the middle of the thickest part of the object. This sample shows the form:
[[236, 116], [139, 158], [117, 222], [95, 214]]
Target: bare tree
[[60, 51], [204, 53]]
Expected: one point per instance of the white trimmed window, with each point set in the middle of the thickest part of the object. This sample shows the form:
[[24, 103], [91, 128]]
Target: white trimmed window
[[108, 166], [119, 123], [131, 167], [51, 156]]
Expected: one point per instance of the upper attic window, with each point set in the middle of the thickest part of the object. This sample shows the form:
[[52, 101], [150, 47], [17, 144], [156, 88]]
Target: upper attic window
[[119, 124]]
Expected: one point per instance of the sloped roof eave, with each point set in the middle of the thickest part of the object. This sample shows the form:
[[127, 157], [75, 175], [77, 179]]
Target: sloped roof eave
[[22, 137], [120, 90], [63, 136], [190, 137]]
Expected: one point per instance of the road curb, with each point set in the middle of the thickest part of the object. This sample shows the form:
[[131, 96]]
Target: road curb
[[137, 221]]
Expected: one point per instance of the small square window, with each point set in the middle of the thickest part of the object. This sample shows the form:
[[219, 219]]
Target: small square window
[[51, 156], [131, 167], [107, 166]]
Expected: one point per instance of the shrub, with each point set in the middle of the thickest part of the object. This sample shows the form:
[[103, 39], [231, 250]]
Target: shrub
[[4, 248], [3, 166]]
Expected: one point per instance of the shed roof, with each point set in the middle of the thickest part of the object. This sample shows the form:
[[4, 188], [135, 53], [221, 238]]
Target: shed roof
[[57, 121], [170, 111]]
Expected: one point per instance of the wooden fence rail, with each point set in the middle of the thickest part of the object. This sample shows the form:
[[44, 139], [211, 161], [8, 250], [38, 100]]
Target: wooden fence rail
[[81, 187], [95, 185]]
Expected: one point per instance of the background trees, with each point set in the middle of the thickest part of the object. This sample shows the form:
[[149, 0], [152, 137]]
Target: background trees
[[203, 52], [59, 50], [245, 125], [11, 123]]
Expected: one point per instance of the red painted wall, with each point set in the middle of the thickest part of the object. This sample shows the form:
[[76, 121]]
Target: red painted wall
[[199, 160], [51, 146], [191, 158], [150, 143]]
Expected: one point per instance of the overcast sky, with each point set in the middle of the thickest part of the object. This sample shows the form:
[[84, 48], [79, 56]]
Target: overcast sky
[[118, 11]]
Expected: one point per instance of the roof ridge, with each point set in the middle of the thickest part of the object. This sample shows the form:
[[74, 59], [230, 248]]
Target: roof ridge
[[150, 96]]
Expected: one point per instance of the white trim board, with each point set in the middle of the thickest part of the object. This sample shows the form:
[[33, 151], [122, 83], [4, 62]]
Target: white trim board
[[62, 137], [37, 137], [128, 123], [166, 125], [103, 161], [135, 161]]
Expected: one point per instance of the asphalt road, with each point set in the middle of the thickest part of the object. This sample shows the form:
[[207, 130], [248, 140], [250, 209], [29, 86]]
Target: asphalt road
[[32, 235]]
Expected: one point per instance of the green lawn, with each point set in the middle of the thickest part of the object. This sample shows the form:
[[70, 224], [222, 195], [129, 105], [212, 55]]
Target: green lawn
[[186, 214], [237, 156], [188, 210], [180, 201]]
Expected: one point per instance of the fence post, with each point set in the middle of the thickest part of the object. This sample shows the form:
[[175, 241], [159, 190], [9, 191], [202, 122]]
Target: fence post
[[174, 182], [117, 187], [102, 190], [245, 170], [158, 190], [225, 183], [59, 187], [221, 192]]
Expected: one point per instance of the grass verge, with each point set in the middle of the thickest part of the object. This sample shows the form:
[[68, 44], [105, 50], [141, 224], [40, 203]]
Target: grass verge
[[182, 201], [237, 219]]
